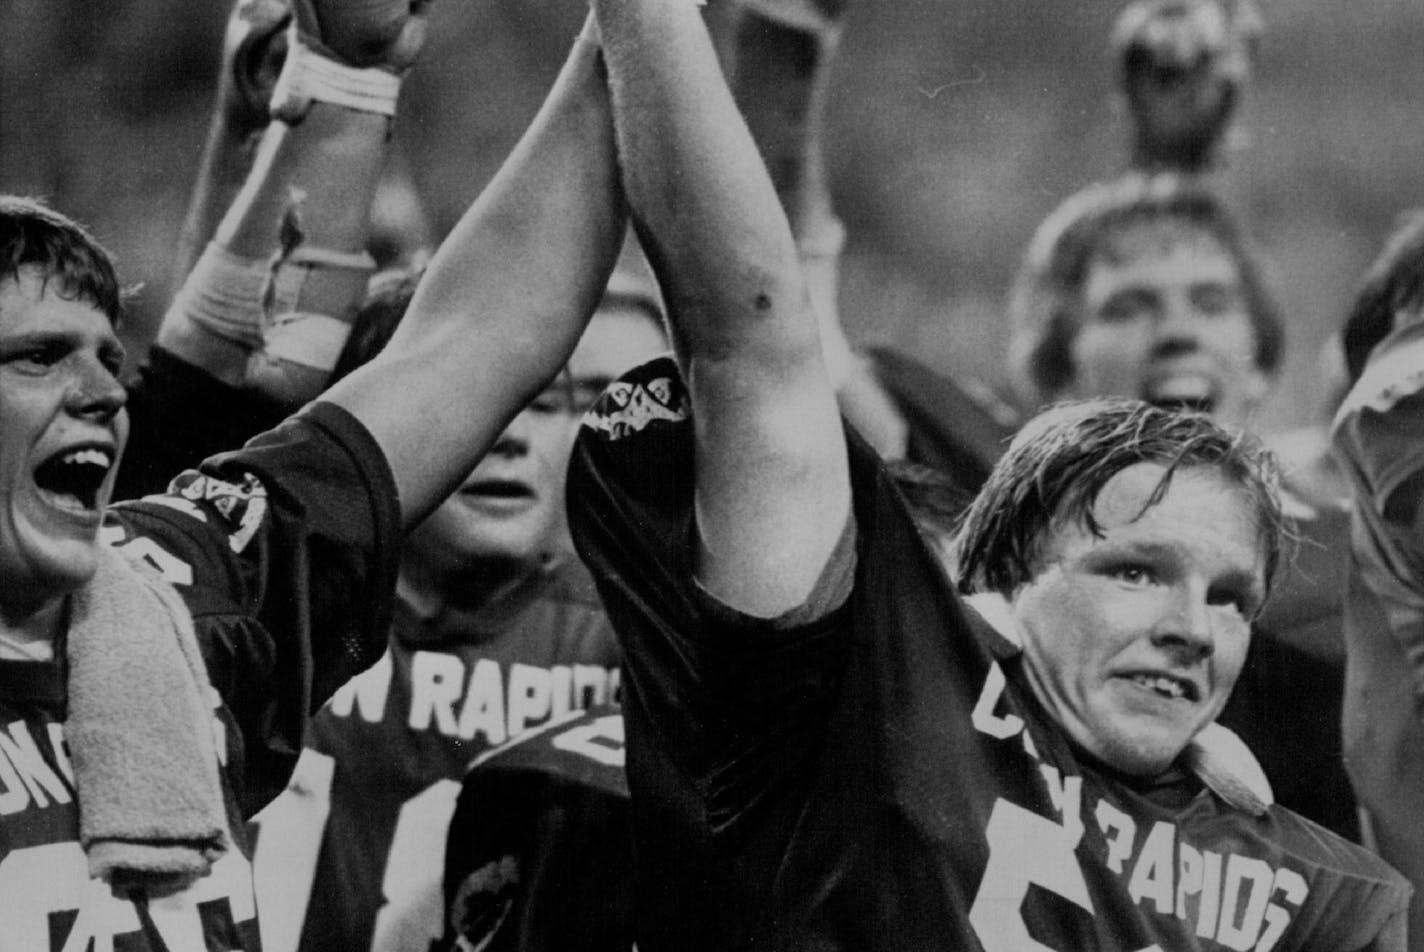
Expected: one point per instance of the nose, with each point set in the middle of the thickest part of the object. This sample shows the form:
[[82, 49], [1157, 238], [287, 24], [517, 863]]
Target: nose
[[1179, 325], [514, 441], [1186, 626], [96, 392]]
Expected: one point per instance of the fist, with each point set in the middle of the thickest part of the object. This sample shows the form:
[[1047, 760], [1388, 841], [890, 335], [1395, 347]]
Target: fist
[[1184, 65], [253, 49], [364, 33]]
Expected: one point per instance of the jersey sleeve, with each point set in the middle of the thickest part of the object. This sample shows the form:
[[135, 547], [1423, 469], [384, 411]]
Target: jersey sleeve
[[285, 553], [735, 704]]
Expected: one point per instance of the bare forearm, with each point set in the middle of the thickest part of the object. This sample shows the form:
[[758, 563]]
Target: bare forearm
[[227, 158], [325, 167], [771, 485], [505, 297], [706, 208], [309, 187]]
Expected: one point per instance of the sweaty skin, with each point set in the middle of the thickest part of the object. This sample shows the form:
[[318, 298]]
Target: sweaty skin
[[1133, 640]]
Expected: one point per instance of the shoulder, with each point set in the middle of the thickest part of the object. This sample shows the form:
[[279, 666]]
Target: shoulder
[[1354, 891]]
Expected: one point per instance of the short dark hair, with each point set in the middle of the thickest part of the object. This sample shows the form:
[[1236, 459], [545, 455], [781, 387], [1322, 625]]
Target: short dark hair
[[1054, 469], [1394, 281], [33, 235], [1046, 301]]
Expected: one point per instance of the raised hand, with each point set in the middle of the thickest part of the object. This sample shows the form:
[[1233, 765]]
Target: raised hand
[[364, 33], [1184, 67]]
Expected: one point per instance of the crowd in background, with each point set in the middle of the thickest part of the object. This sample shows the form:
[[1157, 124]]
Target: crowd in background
[[422, 674]]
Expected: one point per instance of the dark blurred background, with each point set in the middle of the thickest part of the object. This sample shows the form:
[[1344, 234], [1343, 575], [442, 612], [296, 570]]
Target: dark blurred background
[[955, 126]]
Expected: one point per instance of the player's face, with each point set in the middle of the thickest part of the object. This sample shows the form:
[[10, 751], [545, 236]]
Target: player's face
[[62, 430], [511, 507], [1133, 640], [1165, 319]]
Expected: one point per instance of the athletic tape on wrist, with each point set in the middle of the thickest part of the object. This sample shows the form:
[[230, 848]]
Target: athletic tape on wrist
[[289, 272], [312, 340], [304, 337], [327, 258], [308, 76], [225, 294]]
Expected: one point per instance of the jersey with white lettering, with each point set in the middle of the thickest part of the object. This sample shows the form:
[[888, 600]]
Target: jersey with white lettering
[[284, 552], [882, 777], [539, 856], [392, 746]]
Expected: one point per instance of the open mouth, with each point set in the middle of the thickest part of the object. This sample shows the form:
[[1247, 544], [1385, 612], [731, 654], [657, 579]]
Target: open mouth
[[72, 479], [1173, 689], [498, 489], [1190, 392]]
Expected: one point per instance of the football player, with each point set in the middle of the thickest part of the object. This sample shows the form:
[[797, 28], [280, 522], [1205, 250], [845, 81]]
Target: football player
[[159, 659], [829, 746]]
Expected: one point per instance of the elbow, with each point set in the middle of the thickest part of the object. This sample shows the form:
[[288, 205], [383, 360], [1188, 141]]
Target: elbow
[[756, 317]]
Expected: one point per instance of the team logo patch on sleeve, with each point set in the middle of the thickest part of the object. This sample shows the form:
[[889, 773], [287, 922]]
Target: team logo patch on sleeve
[[482, 902], [242, 506], [630, 405]]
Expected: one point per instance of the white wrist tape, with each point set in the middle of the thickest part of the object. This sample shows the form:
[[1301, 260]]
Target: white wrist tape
[[308, 76], [305, 337], [312, 340], [224, 294]]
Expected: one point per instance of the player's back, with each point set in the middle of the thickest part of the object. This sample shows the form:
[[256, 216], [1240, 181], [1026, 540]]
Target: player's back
[[539, 851]]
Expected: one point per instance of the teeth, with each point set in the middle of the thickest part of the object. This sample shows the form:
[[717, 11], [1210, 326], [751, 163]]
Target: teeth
[[1185, 387], [1162, 685], [87, 457]]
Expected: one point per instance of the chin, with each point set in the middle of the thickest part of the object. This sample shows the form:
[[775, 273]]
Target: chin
[[1141, 757]]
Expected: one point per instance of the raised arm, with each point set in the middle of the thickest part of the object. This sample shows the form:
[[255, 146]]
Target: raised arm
[[269, 302], [504, 299], [253, 45], [782, 54], [1183, 67], [772, 488], [262, 312]]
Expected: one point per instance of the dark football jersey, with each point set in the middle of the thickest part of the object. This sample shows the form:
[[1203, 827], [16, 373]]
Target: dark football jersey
[[179, 415], [1379, 436], [387, 753], [284, 553], [882, 777], [539, 856]]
